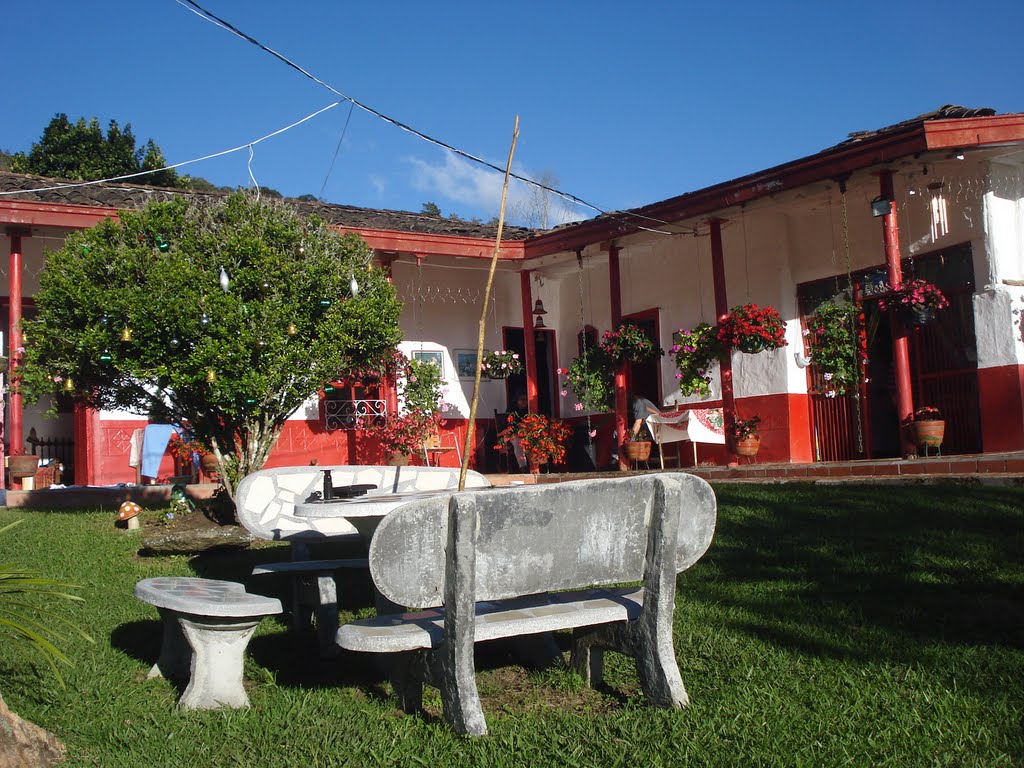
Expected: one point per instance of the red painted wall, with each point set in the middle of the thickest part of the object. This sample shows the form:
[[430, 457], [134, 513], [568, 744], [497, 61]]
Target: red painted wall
[[1001, 399]]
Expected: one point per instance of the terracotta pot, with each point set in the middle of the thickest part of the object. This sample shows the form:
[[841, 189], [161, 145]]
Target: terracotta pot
[[748, 446], [928, 434], [23, 465], [638, 451], [534, 468], [208, 463], [399, 460]]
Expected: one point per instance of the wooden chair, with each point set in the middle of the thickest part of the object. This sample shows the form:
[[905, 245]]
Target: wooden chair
[[500, 422]]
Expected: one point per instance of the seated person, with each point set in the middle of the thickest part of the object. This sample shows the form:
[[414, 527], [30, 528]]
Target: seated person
[[520, 407], [639, 409]]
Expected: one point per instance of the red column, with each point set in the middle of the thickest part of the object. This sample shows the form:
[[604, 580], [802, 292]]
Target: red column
[[621, 406], [15, 433], [529, 342], [901, 352], [721, 310]]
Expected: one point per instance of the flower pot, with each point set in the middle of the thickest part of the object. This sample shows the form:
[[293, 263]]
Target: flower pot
[[498, 374], [399, 460], [638, 450], [928, 434], [748, 446], [23, 465], [752, 345], [918, 315], [208, 463], [534, 467]]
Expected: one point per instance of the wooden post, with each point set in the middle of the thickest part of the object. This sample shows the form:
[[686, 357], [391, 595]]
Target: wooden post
[[15, 430], [471, 427], [721, 310], [622, 424]]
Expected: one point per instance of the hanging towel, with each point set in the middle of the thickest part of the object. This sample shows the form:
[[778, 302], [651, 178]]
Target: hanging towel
[[135, 448], [154, 443]]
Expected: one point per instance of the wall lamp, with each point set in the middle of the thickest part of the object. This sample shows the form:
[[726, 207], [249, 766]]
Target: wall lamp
[[881, 206]]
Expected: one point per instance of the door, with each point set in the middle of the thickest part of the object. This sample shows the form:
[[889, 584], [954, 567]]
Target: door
[[544, 346], [644, 378]]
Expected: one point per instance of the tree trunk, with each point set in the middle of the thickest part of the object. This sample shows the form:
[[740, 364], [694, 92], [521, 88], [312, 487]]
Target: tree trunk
[[25, 745]]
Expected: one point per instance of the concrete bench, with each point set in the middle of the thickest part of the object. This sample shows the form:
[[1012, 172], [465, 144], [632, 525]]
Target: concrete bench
[[266, 499], [319, 598], [521, 561], [207, 625]]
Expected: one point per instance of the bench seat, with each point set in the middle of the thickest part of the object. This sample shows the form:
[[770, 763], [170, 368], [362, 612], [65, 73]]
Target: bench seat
[[421, 630]]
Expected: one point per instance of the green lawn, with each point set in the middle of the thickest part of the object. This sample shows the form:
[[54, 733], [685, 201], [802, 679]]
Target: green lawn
[[827, 626]]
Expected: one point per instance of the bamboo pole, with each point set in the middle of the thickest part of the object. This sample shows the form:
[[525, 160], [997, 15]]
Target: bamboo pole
[[471, 427]]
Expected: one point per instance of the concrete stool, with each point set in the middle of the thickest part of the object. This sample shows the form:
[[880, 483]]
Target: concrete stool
[[325, 596], [207, 627]]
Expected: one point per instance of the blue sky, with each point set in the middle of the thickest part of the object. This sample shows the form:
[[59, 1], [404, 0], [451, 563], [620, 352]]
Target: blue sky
[[622, 103]]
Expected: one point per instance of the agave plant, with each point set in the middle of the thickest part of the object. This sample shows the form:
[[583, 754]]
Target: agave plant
[[22, 615]]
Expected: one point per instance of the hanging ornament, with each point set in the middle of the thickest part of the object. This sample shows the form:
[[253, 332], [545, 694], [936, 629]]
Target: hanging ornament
[[324, 303], [354, 287], [126, 334], [162, 245], [302, 249], [204, 320], [250, 401], [104, 319], [224, 281], [211, 375], [174, 343], [292, 329], [261, 343], [266, 286], [86, 248], [105, 356], [328, 388], [69, 385]]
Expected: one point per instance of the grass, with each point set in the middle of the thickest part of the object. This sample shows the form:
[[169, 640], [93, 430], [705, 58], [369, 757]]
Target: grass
[[827, 626]]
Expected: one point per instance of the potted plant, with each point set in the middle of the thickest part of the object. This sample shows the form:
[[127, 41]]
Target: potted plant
[[752, 329], [837, 345], [695, 353], [928, 427], [630, 342], [916, 301], [542, 439], [404, 435], [637, 447], [745, 436], [591, 376], [501, 364]]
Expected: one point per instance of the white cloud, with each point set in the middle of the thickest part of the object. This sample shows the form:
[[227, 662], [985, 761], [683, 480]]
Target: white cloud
[[378, 183], [461, 181]]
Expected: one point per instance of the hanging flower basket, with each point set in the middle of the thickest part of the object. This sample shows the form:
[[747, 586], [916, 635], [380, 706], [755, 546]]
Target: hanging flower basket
[[501, 364], [916, 301], [630, 342], [591, 376], [837, 346], [752, 329], [695, 352]]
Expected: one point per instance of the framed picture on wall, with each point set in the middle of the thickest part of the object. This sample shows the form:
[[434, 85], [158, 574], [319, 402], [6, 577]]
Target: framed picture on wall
[[432, 356], [466, 363]]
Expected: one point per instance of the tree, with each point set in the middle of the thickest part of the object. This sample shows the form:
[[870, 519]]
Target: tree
[[134, 314], [80, 151], [431, 209]]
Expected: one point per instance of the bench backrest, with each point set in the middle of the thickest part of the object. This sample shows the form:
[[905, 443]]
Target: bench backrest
[[266, 499], [541, 538]]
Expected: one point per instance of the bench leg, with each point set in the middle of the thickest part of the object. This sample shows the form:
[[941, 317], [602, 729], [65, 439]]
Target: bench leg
[[407, 680], [175, 653], [327, 614], [658, 671], [587, 658], [218, 646]]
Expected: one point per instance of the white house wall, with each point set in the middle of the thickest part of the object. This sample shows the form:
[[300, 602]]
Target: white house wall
[[1000, 339]]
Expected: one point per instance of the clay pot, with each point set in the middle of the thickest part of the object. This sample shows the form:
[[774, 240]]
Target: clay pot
[[927, 434], [399, 460], [208, 463], [23, 465], [748, 446], [638, 451]]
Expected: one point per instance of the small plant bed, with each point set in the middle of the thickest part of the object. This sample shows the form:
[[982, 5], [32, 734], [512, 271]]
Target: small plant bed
[[825, 626]]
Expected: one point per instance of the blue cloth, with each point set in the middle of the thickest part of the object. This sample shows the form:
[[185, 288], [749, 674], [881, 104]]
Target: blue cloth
[[154, 443]]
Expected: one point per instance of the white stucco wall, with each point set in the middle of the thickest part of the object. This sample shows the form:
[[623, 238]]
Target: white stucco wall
[[1001, 293]]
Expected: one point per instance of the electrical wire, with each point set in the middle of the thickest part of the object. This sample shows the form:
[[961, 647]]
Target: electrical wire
[[341, 138], [248, 145], [216, 20]]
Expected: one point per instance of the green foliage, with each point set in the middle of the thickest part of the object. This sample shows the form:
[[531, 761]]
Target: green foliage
[[837, 345], [81, 151], [230, 364], [591, 376], [695, 354], [24, 616], [423, 387], [431, 209]]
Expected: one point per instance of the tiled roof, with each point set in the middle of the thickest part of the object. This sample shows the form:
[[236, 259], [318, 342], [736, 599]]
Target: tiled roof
[[945, 112], [133, 196]]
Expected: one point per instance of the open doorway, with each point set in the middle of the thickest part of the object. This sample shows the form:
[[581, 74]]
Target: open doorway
[[644, 378], [544, 344]]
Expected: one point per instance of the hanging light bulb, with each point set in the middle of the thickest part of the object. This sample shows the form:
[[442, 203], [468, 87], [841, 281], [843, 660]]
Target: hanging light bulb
[[224, 281], [211, 375], [538, 308], [126, 334]]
